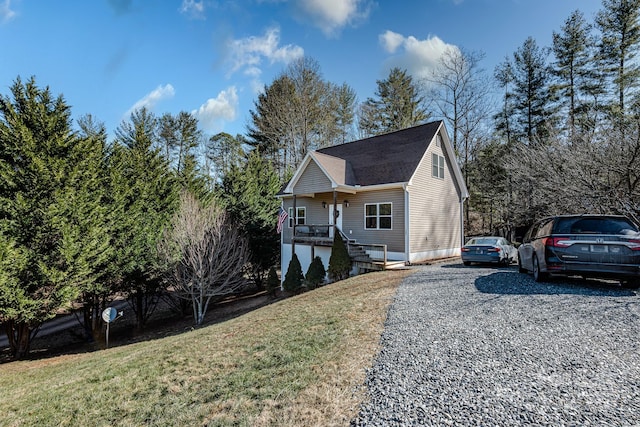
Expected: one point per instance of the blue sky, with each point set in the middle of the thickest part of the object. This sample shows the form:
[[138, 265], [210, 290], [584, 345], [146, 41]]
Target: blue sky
[[211, 57]]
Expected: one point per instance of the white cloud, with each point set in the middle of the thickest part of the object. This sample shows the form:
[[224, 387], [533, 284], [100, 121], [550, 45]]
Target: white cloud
[[250, 52], [332, 15], [418, 57], [152, 98], [390, 41], [253, 72], [257, 85], [215, 111], [193, 9], [6, 14]]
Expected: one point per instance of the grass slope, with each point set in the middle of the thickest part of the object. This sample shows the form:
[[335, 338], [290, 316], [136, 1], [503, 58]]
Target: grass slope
[[296, 362]]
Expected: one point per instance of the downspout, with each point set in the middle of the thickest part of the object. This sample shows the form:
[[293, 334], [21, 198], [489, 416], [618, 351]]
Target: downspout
[[407, 226], [462, 199]]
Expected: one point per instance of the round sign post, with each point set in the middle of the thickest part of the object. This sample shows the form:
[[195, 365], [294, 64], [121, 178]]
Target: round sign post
[[109, 315]]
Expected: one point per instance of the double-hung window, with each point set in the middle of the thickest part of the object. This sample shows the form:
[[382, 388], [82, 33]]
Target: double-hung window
[[437, 166], [301, 216], [377, 216]]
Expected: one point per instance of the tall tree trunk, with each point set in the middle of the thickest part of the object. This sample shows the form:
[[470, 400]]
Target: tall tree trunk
[[139, 302], [19, 335]]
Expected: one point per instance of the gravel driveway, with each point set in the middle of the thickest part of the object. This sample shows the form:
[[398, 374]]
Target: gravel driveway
[[490, 347]]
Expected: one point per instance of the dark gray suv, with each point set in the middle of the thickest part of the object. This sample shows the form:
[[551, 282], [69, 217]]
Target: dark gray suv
[[599, 246]]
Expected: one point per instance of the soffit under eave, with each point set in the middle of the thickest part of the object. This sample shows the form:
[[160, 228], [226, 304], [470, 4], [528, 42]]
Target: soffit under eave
[[349, 189], [290, 196]]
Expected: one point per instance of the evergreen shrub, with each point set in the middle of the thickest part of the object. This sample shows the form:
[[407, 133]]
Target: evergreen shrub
[[340, 261], [294, 277], [315, 273]]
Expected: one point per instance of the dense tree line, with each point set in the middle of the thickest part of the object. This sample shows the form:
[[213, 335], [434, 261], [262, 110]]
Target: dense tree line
[[84, 219], [566, 131]]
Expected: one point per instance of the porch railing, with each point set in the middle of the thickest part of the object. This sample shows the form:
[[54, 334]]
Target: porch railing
[[312, 230], [361, 252]]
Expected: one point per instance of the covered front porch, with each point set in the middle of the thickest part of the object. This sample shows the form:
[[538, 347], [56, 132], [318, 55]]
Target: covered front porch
[[364, 256], [318, 210]]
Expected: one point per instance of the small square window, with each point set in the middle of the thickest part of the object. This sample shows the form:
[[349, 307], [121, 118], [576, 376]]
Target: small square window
[[385, 222], [371, 222]]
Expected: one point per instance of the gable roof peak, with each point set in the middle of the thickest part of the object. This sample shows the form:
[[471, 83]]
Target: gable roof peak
[[388, 158]]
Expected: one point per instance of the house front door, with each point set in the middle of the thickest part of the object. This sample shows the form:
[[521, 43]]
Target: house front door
[[339, 220]]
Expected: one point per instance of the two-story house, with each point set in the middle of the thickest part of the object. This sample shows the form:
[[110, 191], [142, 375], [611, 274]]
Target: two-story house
[[395, 198]]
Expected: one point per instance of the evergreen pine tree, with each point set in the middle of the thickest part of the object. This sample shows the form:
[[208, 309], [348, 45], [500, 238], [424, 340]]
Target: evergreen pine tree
[[248, 192], [340, 261], [41, 182], [178, 141], [533, 106], [298, 112], [572, 67], [273, 283], [504, 118], [222, 152], [85, 224], [398, 105], [294, 277], [144, 196], [619, 24], [315, 273]]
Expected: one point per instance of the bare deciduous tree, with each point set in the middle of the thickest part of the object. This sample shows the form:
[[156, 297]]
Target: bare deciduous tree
[[461, 91], [298, 112], [596, 176], [205, 254]]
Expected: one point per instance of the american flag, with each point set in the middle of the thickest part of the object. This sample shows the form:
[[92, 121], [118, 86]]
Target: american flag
[[282, 217]]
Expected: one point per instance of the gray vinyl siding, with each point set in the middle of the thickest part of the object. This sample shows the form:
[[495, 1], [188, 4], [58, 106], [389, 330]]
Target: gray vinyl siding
[[313, 180], [315, 213], [434, 205], [353, 218]]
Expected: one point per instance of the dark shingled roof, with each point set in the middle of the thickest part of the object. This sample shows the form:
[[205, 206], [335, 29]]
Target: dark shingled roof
[[385, 159]]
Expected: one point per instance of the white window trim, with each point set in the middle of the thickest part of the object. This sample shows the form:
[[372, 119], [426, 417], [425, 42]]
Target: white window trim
[[441, 165], [378, 216], [290, 212]]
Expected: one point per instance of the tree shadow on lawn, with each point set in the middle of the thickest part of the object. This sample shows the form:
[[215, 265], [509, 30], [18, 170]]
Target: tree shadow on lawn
[[164, 323]]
